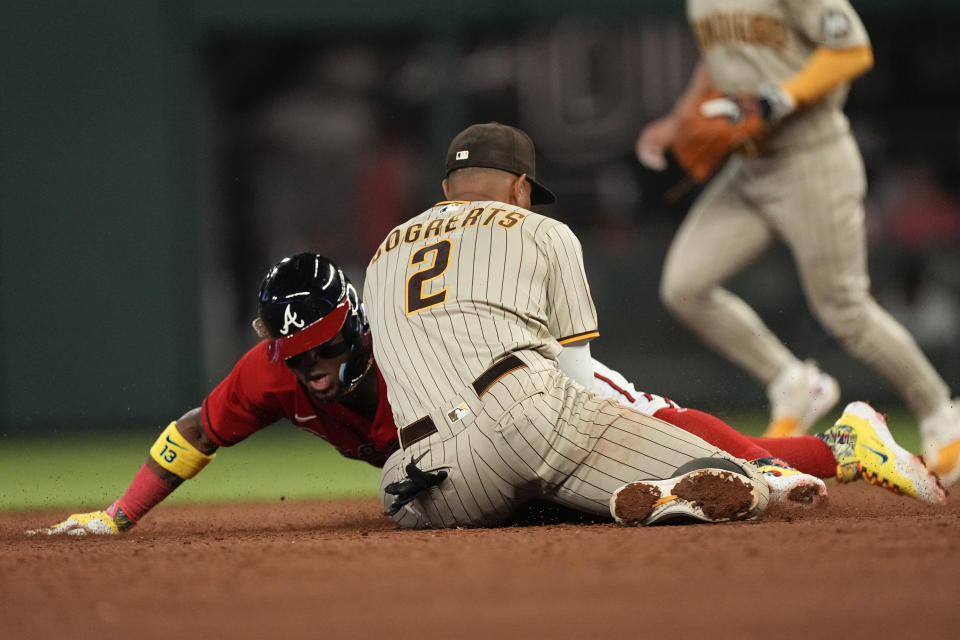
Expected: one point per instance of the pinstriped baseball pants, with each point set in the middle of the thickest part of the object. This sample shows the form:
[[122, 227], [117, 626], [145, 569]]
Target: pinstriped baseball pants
[[537, 435], [812, 200]]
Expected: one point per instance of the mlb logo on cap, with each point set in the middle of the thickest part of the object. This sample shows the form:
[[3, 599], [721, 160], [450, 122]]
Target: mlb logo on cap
[[498, 146]]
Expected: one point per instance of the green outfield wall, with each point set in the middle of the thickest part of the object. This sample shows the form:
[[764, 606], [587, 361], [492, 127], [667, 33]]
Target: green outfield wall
[[100, 245]]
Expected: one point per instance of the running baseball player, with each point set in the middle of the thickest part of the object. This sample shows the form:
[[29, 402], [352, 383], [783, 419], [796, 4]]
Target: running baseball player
[[330, 386], [482, 319], [768, 93]]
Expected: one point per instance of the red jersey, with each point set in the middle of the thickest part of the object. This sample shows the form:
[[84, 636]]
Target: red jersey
[[259, 392]]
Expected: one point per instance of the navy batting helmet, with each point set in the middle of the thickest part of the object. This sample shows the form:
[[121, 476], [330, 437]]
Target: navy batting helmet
[[305, 300]]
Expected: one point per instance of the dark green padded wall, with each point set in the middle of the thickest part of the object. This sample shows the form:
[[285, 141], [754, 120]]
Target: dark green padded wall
[[98, 242]]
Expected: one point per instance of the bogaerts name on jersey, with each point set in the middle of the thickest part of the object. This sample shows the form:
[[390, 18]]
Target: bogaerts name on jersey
[[437, 227]]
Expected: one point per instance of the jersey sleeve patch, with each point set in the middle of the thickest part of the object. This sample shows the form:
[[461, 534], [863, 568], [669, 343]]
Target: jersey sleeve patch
[[835, 26]]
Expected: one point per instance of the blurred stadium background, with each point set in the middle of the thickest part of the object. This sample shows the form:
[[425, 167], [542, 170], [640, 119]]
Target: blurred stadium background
[[157, 156]]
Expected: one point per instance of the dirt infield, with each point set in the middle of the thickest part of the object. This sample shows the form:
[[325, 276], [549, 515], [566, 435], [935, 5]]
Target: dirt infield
[[868, 564]]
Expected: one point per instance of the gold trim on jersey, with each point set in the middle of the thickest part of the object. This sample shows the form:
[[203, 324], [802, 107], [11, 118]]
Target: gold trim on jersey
[[579, 337]]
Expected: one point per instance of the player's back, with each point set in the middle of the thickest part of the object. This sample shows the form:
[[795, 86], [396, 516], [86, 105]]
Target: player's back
[[463, 284]]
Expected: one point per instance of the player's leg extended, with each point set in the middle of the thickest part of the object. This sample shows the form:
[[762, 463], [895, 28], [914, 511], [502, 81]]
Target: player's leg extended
[[832, 453], [789, 476], [788, 483], [626, 447], [564, 444], [829, 247], [807, 454], [859, 446], [721, 235], [520, 440]]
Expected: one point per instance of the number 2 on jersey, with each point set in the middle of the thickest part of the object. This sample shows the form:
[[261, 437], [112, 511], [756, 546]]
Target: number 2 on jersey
[[435, 259]]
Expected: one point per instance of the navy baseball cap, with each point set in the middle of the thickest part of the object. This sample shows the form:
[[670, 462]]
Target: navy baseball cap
[[498, 146]]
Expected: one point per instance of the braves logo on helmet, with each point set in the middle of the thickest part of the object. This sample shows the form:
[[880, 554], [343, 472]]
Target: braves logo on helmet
[[305, 301], [290, 319]]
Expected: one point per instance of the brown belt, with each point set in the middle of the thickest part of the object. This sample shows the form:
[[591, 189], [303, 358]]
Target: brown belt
[[424, 427]]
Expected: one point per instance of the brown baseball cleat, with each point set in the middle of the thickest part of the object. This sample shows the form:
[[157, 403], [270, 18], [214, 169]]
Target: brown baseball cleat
[[704, 495]]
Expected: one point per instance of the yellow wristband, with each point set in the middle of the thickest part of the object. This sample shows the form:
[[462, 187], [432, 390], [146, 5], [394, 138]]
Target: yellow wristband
[[172, 452]]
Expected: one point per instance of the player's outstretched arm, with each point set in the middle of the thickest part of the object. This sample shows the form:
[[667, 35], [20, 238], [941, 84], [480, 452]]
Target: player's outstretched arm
[[181, 452]]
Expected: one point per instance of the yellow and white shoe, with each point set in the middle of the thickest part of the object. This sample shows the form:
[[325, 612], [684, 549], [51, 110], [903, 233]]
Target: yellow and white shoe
[[799, 396], [940, 432], [864, 448], [789, 486]]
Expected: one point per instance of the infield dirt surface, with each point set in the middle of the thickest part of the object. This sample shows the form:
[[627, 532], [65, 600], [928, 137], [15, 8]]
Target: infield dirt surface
[[868, 564]]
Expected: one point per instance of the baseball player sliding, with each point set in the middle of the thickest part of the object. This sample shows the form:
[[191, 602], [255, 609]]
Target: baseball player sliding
[[482, 318], [314, 368], [768, 92]]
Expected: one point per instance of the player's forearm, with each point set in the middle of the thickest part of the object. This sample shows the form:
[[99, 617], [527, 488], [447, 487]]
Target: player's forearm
[[146, 491], [180, 453], [826, 70], [575, 362]]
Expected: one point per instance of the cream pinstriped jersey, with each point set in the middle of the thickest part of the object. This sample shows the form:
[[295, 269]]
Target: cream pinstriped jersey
[[747, 43], [453, 290]]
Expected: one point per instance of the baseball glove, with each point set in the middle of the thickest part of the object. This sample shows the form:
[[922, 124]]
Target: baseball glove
[[718, 126]]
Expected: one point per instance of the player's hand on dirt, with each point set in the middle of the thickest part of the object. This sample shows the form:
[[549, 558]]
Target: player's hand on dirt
[[654, 140], [80, 524]]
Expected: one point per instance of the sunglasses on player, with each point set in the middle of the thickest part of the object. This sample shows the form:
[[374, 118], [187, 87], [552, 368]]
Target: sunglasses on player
[[325, 351]]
